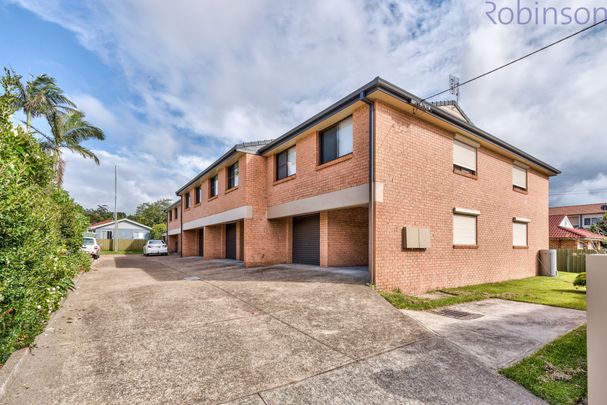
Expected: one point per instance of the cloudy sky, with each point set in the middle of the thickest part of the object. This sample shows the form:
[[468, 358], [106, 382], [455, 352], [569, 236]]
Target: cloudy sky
[[175, 83]]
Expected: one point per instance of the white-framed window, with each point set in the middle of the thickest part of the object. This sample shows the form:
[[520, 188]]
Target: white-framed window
[[336, 141], [137, 235], [464, 157], [465, 227], [520, 232], [519, 177]]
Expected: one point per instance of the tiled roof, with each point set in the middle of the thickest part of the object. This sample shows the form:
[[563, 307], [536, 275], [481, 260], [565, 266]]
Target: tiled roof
[[560, 232], [105, 221], [579, 209]]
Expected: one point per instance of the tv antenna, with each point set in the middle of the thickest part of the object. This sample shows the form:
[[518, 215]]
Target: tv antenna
[[454, 86]]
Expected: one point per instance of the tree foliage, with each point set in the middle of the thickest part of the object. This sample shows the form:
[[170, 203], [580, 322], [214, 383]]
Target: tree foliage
[[40, 235], [152, 213], [101, 213], [158, 230]]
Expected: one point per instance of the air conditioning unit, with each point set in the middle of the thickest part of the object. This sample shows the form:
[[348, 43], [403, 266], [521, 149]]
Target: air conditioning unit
[[547, 263]]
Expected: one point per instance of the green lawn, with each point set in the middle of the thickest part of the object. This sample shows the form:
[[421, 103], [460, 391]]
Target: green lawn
[[556, 291], [122, 252], [557, 372]]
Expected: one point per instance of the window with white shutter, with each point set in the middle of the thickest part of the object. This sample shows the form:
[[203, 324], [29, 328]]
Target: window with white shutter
[[519, 232], [519, 177], [464, 157], [464, 227]]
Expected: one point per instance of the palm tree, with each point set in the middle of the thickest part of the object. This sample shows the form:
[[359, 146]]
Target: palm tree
[[68, 130], [39, 96]]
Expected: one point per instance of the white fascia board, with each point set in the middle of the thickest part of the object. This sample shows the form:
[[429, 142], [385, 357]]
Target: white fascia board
[[174, 231], [244, 212], [350, 197]]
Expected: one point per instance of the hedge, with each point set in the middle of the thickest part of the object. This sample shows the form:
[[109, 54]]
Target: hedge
[[40, 237]]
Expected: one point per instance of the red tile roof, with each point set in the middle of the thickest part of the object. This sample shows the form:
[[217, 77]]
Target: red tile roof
[[584, 209], [105, 221], [561, 232]]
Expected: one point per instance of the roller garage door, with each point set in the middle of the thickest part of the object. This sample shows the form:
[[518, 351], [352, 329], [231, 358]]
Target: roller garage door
[[306, 240], [231, 241]]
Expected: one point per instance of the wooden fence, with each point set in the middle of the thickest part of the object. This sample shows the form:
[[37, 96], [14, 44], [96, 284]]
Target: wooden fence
[[573, 261], [123, 244]]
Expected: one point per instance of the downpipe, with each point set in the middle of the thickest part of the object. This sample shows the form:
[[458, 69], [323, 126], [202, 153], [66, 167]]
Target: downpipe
[[371, 105]]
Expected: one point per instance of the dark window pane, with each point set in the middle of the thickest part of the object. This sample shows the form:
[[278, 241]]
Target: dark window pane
[[328, 145]]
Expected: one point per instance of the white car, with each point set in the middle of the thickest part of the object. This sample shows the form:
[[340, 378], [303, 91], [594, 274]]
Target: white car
[[90, 246], [155, 247]]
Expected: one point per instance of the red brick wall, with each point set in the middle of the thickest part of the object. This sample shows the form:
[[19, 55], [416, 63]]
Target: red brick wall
[[348, 237], [190, 243], [414, 161], [214, 242], [311, 180], [174, 222], [173, 244]]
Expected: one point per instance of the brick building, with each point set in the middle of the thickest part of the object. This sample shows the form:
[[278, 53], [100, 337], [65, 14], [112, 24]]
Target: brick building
[[437, 203]]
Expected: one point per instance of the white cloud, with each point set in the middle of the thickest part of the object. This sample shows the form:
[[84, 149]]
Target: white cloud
[[255, 68]]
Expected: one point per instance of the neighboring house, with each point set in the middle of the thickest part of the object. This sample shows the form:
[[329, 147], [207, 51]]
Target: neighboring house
[[173, 227], [582, 216], [127, 229], [437, 203], [563, 235]]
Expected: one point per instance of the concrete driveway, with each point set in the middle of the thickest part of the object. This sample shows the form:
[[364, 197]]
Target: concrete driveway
[[187, 331]]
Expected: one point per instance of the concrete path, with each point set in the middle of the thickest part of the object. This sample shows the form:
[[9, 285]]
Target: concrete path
[[170, 330], [499, 332]]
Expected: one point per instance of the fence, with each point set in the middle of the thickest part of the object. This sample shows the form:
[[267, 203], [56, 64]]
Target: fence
[[123, 244], [573, 261]]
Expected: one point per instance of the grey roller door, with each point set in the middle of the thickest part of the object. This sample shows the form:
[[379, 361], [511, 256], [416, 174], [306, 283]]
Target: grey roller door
[[231, 241], [306, 240]]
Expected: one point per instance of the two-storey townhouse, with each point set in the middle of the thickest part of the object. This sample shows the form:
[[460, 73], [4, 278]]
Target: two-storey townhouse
[[437, 203], [173, 213]]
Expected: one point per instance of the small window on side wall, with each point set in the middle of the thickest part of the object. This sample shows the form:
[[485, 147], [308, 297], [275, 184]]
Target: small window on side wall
[[286, 163], [233, 176], [519, 178], [520, 233], [187, 200], [336, 141], [465, 227], [170, 215], [464, 158], [213, 186], [197, 195]]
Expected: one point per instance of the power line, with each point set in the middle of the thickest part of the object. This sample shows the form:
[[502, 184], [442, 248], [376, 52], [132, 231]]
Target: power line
[[517, 60]]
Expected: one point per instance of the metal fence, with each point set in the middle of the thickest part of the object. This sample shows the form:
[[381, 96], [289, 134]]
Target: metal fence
[[573, 261], [123, 244]]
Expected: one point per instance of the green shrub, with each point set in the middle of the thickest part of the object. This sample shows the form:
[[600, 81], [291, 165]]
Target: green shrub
[[580, 280], [40, 237], [158, 230]]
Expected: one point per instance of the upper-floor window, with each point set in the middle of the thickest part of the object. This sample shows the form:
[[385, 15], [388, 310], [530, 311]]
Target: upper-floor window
[[213, 186], [187, 200], [589, 221], [170, 215], [197, 195], [336, 141], [233, 176], [464, 158], [176, 213], [519, 178], [286, 163]]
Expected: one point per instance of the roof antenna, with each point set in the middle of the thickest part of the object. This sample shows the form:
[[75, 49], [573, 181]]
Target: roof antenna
[[454, 87]]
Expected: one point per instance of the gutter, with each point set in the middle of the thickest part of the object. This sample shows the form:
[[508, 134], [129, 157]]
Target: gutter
[[371, 265]]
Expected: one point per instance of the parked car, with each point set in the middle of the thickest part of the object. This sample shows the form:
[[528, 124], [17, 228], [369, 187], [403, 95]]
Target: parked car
[[90, 246], [155, 247]]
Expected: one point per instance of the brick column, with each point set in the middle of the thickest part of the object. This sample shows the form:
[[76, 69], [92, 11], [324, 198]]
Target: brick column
[[324, 239]]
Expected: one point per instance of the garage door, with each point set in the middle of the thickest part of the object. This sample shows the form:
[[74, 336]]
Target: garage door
[[231, 241], [306, 240]]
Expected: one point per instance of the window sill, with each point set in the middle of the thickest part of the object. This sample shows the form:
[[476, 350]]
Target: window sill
[[520, 247], [197, 204], [465, 246], [520, 190], [284, 180], [212, 198], [335, 161], [465, 174], [187, 209], [230, 190]]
